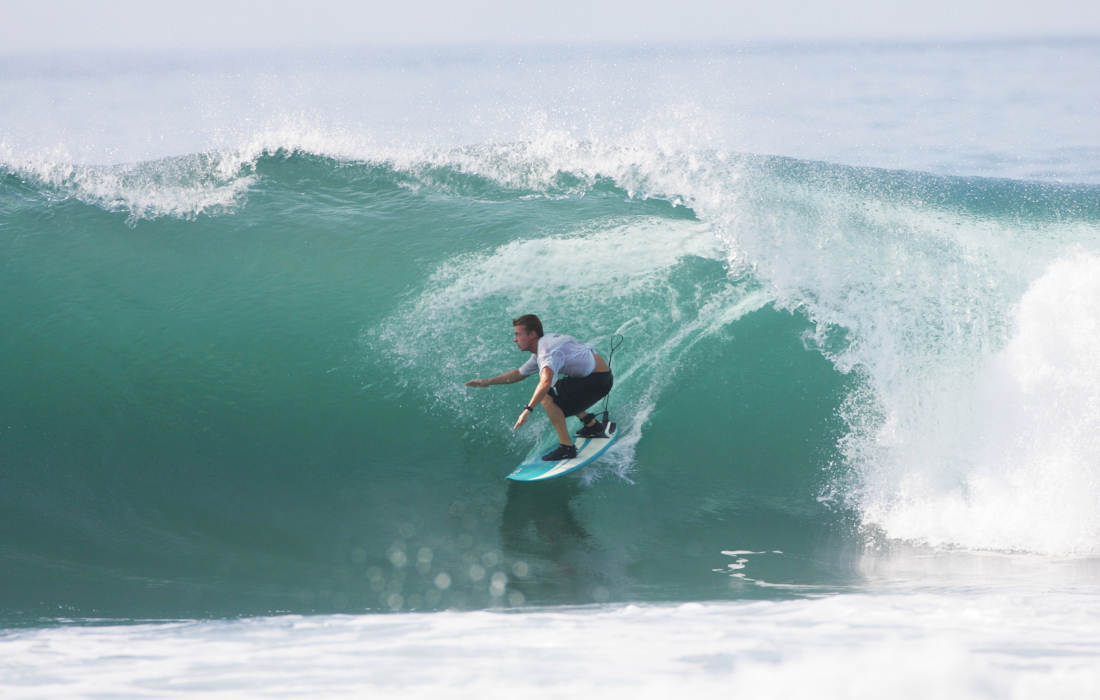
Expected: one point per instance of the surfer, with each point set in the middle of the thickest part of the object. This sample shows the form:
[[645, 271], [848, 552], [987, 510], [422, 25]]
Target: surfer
[[587, 379]]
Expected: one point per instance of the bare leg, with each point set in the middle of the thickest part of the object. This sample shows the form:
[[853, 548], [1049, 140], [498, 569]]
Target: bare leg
[[557, 419]]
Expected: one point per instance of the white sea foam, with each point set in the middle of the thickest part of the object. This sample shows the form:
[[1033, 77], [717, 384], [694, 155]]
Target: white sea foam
[[1033, 481], [992, 644], [206, 183], [926, 296]]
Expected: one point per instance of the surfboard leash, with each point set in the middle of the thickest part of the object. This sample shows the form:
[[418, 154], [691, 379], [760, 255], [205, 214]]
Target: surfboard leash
[[611, 356]]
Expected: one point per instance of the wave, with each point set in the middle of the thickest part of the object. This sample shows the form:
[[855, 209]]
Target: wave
[[255, 358]]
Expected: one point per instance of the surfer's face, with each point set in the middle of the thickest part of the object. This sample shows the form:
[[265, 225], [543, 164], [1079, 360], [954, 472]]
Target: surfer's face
[[525, 341]]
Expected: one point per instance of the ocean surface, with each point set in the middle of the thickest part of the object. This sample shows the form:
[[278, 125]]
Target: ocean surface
[[858, 393]]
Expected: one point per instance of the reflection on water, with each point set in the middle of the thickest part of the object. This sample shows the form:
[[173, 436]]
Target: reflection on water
[[545, 541]]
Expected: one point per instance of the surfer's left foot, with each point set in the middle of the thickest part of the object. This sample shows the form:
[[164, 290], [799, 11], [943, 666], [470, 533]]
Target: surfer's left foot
[[596, 430], [562, 452]]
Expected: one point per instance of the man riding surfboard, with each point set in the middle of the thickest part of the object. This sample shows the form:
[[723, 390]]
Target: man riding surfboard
[[572, 377]]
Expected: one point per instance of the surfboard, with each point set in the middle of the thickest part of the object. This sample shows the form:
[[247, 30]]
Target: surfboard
[[588, 451]]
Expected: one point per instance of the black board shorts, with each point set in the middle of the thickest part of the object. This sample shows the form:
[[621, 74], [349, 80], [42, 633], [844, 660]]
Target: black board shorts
[[575, 394]]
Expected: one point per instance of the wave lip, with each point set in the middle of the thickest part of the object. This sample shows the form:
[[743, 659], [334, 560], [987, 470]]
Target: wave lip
[[184, 187]]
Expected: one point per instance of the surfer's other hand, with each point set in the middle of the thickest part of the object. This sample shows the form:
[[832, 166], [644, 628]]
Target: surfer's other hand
[[478, 383], [522, 419]]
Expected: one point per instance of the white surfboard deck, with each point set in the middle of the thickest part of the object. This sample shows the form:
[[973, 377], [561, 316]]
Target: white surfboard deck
[[588, 451]]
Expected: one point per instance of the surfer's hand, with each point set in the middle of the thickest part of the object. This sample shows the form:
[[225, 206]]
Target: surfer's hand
[[522, 419], [478, 383]]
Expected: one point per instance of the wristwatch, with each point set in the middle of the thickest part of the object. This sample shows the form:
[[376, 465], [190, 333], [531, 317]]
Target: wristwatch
[[528, 408]]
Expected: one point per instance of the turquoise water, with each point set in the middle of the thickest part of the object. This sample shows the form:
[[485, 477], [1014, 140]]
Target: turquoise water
[[261, 409], [220, 416]]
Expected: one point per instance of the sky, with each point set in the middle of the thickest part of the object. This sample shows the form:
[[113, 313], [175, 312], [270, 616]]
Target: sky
[[51, 25]]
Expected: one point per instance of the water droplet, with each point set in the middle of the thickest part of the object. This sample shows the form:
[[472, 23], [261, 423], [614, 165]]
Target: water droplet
[[497, 583]]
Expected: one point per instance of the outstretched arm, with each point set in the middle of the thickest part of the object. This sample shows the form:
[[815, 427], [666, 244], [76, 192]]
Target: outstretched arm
[[507, 378]]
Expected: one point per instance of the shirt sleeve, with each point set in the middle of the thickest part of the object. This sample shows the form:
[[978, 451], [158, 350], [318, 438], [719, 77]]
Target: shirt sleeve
[[530, 367]]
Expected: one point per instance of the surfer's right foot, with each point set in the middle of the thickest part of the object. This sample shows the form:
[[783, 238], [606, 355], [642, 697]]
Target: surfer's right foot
[[596, 430], [560, 453]]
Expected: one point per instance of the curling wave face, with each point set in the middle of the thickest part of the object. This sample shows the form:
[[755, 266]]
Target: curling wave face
[[235, 378]]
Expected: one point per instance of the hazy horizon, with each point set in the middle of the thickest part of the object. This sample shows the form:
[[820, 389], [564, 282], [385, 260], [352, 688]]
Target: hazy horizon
[[247, 24]]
